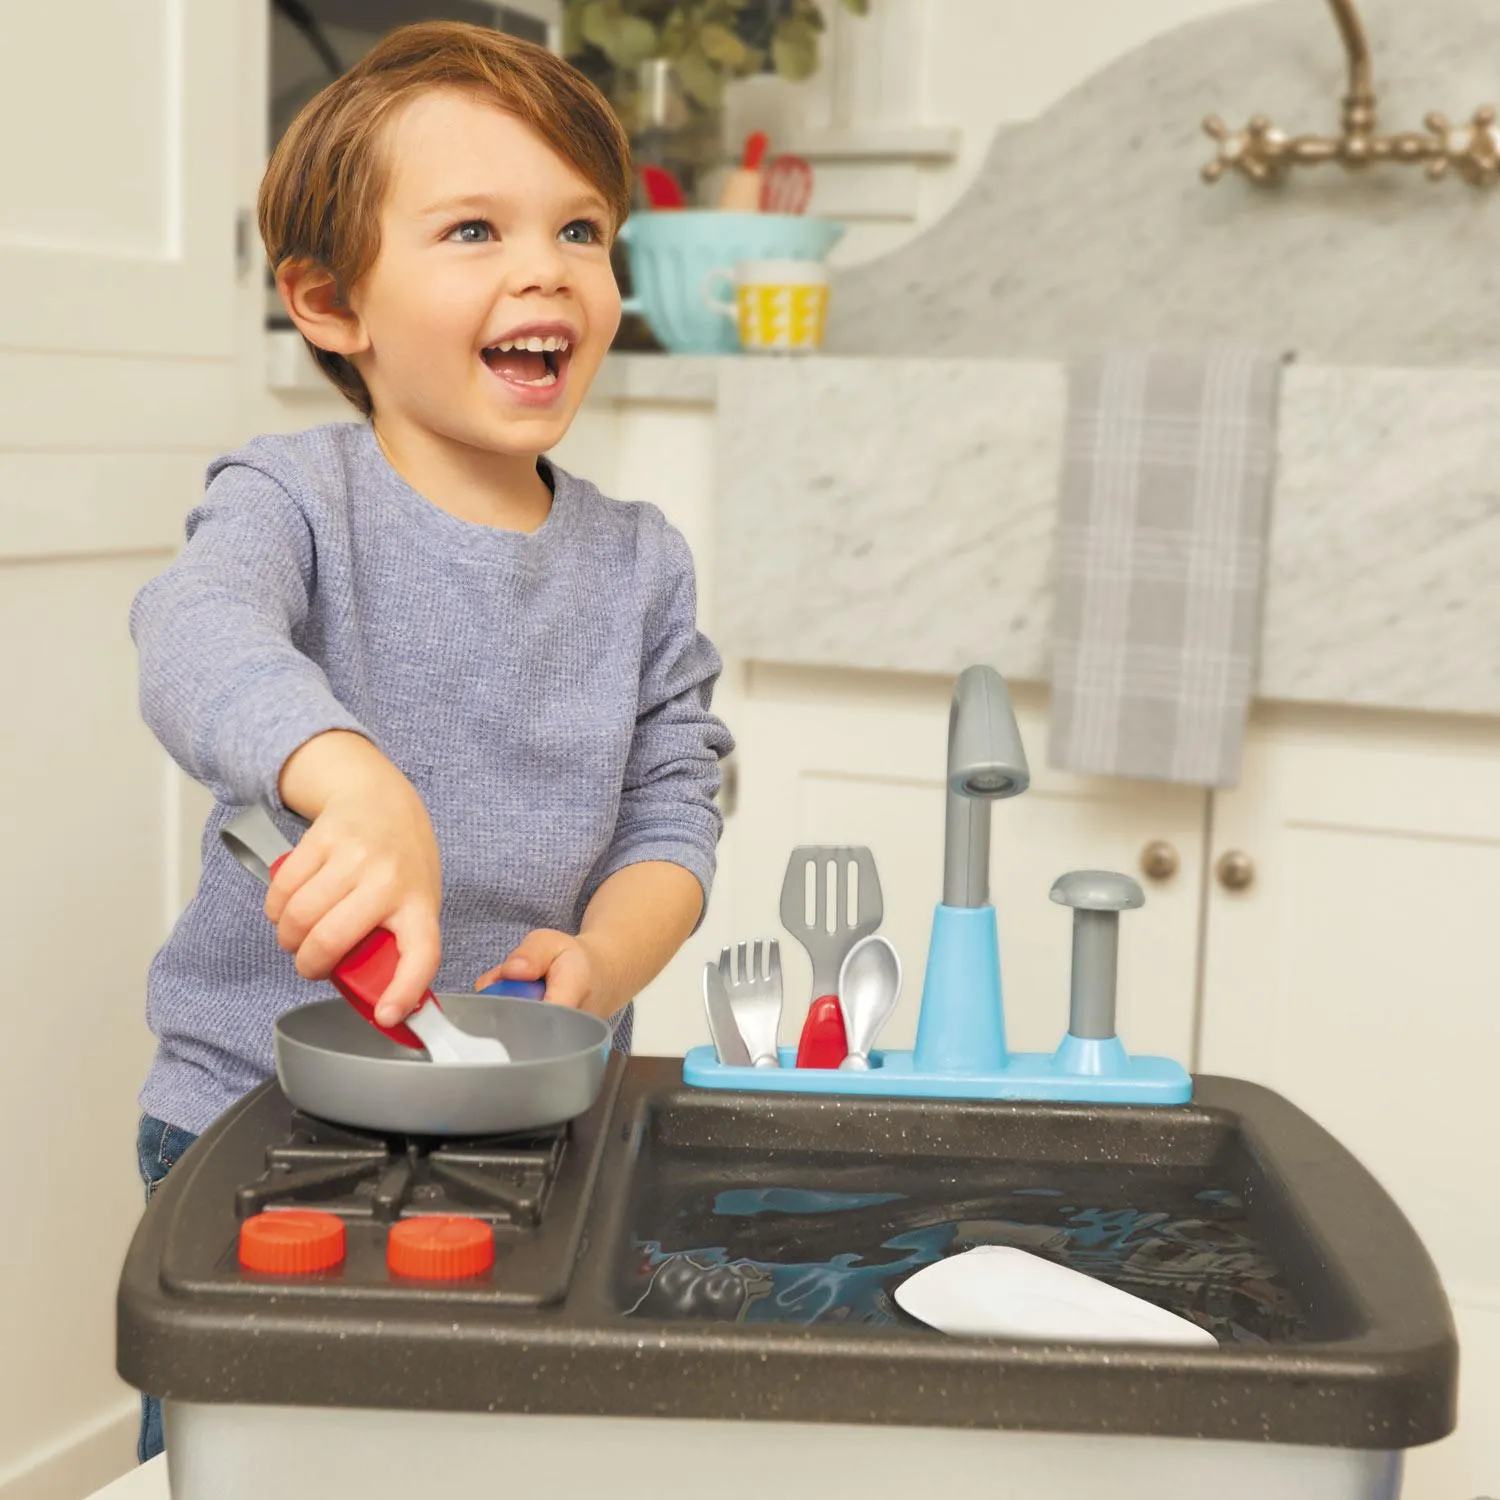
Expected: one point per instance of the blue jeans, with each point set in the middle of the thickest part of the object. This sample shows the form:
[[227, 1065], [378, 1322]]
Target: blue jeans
[[159, 1147]]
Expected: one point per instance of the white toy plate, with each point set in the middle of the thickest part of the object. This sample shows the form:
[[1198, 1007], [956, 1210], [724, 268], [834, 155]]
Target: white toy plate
[[994, 1291]]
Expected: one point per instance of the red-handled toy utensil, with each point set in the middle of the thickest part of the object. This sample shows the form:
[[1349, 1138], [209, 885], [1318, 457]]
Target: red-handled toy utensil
[[663, 191], [364, 973], [824, 1043], [815, 909], [786, 185]]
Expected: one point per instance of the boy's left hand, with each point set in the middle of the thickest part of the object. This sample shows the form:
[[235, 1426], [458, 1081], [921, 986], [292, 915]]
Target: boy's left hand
[[573, 968]]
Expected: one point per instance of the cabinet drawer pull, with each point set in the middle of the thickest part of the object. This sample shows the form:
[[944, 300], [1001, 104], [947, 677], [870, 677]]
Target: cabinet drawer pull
[[1235, 870], [1159, 860]]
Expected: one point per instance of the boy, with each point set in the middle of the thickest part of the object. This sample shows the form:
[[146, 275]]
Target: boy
[[479, 680]]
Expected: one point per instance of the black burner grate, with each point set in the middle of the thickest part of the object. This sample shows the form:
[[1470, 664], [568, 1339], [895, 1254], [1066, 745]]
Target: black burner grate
[[501, 1179]]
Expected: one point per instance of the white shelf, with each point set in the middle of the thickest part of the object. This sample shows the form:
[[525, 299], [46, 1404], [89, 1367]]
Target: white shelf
[[906, 143]]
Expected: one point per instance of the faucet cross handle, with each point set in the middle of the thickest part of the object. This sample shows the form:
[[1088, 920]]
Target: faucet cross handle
[[1097, 898]]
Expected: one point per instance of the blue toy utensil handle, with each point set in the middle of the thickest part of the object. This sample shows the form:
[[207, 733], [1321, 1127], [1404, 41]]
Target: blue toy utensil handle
[[516, 989]]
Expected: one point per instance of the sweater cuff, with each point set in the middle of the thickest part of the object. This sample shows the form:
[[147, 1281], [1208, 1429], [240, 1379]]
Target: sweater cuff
[[670, 847], [257, 730]]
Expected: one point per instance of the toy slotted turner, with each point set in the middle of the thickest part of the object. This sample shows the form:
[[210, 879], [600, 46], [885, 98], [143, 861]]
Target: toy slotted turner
[[828, 933]]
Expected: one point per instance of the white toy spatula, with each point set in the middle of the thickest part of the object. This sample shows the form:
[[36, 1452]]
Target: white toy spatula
[[994, 1291]]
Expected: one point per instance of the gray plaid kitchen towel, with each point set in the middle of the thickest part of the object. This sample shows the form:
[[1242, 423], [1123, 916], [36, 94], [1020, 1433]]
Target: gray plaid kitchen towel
[[1160, 551]]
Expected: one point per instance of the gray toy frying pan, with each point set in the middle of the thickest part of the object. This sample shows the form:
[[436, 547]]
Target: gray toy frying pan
[[335, 1064]]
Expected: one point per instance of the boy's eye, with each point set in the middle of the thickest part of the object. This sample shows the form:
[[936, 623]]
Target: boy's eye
[[582, 232], [471, 232]]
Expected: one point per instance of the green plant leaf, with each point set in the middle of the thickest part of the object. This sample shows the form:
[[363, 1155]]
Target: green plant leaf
[[794, 50], [720, 45], [700, 79], [635, 41], [857, 7], [597, 20], [626, 40], [675, 34], [572, 30]]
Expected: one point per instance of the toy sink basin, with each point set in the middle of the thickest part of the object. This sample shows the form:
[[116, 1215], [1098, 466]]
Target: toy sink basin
[[775, 1226]]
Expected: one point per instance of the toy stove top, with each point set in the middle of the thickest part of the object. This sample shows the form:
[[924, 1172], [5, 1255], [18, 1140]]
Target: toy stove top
[[524, 1196]]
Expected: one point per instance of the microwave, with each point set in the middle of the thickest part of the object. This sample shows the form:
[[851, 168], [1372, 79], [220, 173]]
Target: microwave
[[314, 41]]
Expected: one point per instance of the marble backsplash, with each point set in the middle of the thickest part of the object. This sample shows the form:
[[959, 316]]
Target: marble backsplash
[[899, 514], [1090, 224], [894, 508]]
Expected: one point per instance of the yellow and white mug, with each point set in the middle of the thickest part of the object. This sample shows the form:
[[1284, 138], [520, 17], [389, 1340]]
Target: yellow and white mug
[[777, 305]]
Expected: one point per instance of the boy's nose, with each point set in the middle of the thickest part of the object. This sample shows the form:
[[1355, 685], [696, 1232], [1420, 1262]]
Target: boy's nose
[[539, 266]]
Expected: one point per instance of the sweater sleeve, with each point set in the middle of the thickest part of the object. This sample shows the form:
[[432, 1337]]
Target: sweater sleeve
[[222, 685], [667, 807]]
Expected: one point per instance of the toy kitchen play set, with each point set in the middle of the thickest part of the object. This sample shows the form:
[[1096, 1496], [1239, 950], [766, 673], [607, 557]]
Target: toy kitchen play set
[[824, 1270]]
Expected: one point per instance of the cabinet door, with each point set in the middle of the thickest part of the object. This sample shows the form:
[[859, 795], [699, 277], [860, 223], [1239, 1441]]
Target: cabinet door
[[832, 758], [116, 363], [1357, 975], [117, 187], [665, 454]]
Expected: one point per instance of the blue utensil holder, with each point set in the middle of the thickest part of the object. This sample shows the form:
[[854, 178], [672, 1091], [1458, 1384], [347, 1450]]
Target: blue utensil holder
[[893, 1075], [960, 1051]]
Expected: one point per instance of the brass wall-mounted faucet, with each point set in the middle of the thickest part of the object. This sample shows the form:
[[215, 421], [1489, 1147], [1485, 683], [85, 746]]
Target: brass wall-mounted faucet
[[1264, 154]]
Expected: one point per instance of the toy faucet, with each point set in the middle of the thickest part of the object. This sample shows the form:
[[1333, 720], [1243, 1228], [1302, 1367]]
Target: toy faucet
[[962, 1024]]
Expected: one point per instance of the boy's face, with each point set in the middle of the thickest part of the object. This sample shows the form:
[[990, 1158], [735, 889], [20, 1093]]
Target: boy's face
[[491, 302]]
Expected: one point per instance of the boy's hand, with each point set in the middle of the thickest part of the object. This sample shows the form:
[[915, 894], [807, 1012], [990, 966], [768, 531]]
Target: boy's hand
[[636, 921], [369, 860], [575, 970]]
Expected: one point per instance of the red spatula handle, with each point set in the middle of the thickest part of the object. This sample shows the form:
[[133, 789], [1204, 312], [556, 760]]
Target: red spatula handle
[[824, 1043], [363, 974]]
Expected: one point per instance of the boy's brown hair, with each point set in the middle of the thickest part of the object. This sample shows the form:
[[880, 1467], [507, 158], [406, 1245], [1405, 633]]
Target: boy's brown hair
[[321, 195]]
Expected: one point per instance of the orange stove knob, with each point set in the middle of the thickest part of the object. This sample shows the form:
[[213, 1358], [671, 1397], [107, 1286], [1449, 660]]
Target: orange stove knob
[[442, 1248], [291, 1241]]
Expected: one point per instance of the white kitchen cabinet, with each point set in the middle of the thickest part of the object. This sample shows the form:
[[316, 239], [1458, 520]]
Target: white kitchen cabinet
[[831, 758], [664, 453], [117, 288], [1357, 974], [122, 235]]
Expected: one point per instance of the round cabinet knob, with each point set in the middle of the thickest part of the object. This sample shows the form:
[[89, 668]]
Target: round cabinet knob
[[1159, 860], [1235, 870]]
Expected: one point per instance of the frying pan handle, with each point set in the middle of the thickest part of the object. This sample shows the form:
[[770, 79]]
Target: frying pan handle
[[255, 841], [517, 989]]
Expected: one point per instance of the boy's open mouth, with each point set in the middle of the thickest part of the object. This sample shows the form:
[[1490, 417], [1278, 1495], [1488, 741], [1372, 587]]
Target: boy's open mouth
[[535, 362]]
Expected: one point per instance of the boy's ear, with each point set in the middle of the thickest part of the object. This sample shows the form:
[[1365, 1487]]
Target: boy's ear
[[312, 297]]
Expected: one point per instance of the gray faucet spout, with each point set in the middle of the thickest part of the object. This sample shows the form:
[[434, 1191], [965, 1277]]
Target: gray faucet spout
[[986, 761]]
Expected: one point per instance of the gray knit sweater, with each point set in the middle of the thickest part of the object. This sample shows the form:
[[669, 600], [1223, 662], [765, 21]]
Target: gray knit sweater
[[547, 694]]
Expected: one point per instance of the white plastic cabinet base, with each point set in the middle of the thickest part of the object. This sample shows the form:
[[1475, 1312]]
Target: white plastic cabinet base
[[302, 1453]]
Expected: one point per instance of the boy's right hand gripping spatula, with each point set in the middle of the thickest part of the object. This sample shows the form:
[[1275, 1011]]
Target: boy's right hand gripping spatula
[[366, 970]]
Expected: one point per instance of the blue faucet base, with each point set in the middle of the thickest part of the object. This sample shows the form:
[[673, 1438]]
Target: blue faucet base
[[961, 1025], [1085, 1072]]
